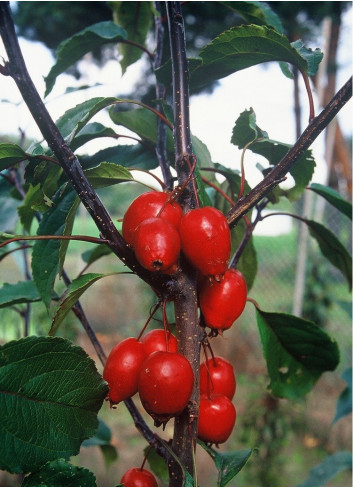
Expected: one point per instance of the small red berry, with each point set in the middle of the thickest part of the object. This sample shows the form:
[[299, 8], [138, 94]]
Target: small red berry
[[159, 340], [206, 240], [217, 377], [122, 369], [217, 417], [137, 477], [222, 302], [149, 205], [156, 244], [165, 385]]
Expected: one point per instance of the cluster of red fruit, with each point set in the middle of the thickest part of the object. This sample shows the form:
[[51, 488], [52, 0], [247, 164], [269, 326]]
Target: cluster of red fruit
[[152, 367], [158, 231]]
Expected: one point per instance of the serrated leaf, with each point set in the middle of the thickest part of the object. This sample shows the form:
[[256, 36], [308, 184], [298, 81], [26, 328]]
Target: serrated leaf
[[133, 156], [344, 403], [296, 351], [329, 468], [91, 131], [107, 174], [74, 119], [246, 130], [248, 45], [10, 154], [334, 198], [47, 254], [50, 393], [332, 249], [256, 13], [136, 18], [72, 49], [18, 293], [60, 473], [229, 464], [69, 298]]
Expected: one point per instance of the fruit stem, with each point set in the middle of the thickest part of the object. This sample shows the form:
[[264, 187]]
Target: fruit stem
[[156, 307]]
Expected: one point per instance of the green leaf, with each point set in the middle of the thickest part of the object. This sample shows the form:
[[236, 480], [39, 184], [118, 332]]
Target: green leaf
[[331, 466], [10, 154], [19, 293], [107, 174], [133, 156], [69, 298], [8, 206], [229, 464], [296, 351], [246, 130], [74, 119], [90, 256], [344, 403], [158, 464], [136, 18], [72, 49], [248, 45], [60, 473], [256, 13], [47, 254], [332, 249], [50, 393], [334, 198], [91, 131], [102, 438]]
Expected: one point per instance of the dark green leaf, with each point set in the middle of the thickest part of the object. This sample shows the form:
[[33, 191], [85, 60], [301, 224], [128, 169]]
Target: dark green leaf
[[296, 351], [246, 130], [344, 403], [331, 466], [332, 249], [75, 47], [334, 198], [248, 45], [256, 13], [102, 438], [19, 293], [48, 253], [60, 473], [91, 131], [132, 156], [228, 463], [50, 393], [69, 298], [90, 256], [10, 154], [136, 18], [106, 174], [8, 206]]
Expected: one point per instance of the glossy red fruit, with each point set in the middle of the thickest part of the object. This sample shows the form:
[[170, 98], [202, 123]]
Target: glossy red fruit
[[149, 205], [217, 377], [159, 340], [122, 369], [222, 302], [217, 417], [165, 384], [137, 477], [156, 244], [206, 240]]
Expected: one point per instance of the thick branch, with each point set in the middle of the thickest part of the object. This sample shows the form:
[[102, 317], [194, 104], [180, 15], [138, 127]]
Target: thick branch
[[16, 68], [313, 130]]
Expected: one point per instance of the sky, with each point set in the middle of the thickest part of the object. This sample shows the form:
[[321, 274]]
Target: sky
[[264, 88]]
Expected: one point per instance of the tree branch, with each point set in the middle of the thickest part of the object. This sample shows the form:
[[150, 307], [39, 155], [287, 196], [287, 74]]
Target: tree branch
[[313, 130]]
